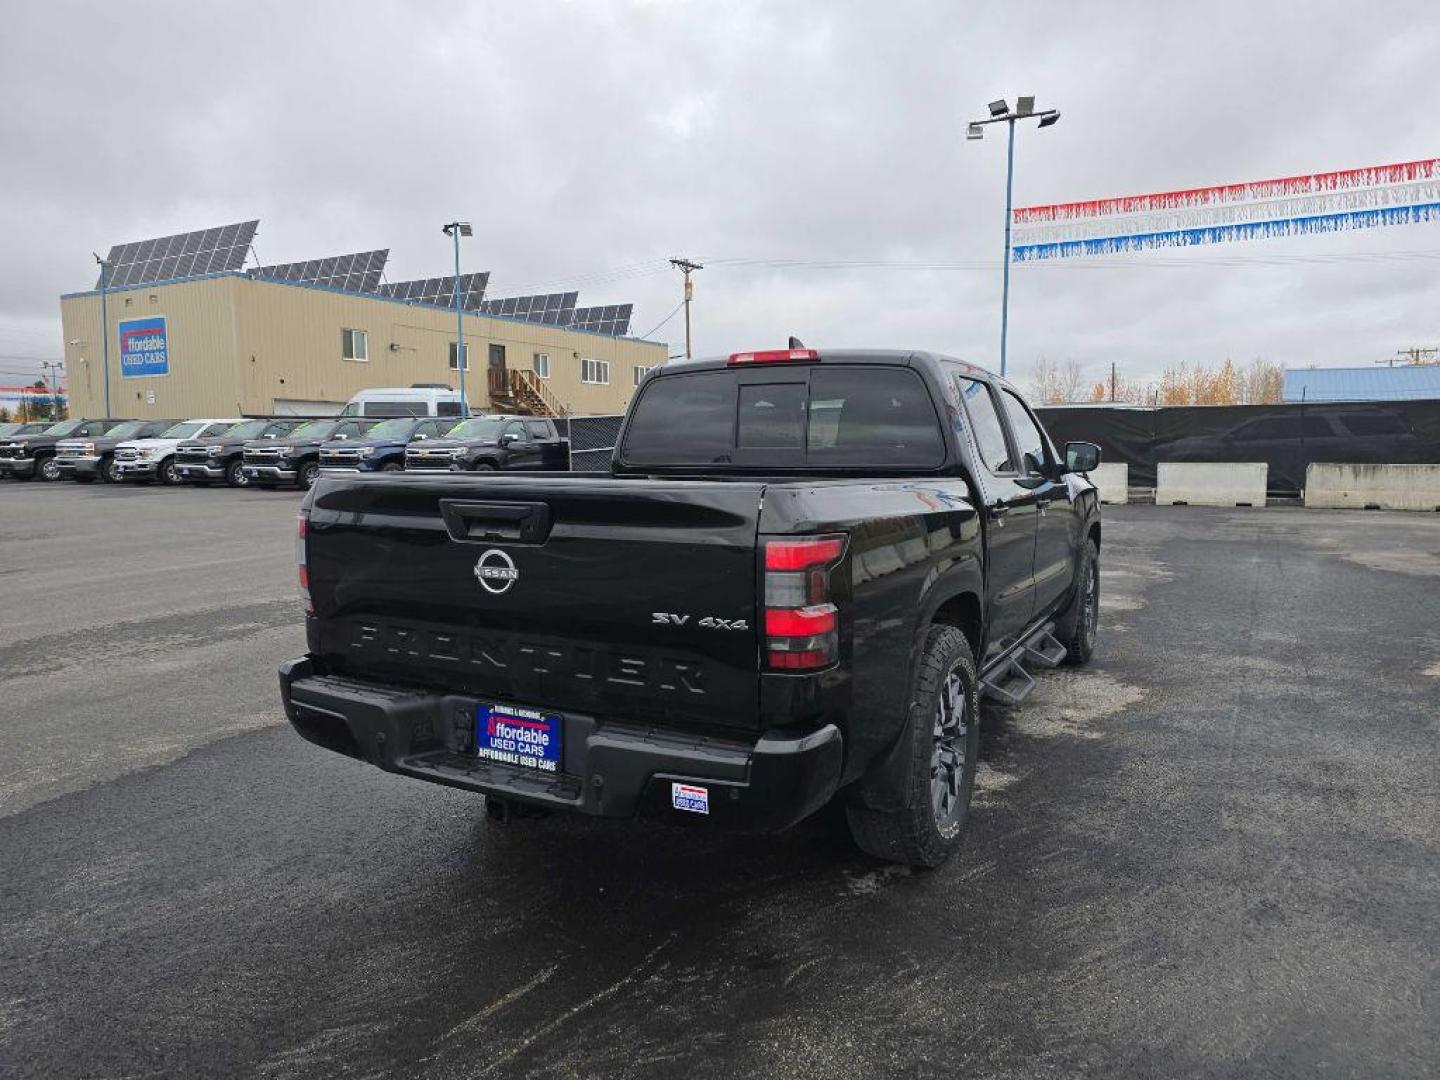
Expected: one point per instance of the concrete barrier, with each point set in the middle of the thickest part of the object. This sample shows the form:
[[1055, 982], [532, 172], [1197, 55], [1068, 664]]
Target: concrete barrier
[[1380, 487], [1112, 479], [1211, 483]]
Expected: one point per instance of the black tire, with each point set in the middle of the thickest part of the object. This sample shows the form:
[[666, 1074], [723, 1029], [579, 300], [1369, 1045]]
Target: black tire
[[306, 474], [390, 466], [944, 750], [235, 474], [46, 469], [1079, 627], [167, 474], [107, 470], [483, 466]]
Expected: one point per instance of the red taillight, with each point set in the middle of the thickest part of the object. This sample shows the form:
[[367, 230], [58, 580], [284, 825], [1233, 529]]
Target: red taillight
[[799, 554], [775, 356], [302, 528], [801, 624]]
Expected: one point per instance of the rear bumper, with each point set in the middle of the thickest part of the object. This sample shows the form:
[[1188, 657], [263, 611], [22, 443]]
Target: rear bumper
[[189, 470], [609, 770]]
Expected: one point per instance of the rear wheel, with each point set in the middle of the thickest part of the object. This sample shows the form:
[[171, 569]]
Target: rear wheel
[[235, 474], [167, 474], [944, 734], [1079, 627], [306, 475]]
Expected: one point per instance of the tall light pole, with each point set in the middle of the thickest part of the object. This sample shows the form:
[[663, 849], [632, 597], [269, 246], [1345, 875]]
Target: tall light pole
[[1000, 113], [457, 229], [104, 328], [687, 267]]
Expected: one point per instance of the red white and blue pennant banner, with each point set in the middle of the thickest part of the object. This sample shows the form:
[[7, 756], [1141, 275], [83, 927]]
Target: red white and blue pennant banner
[[1290, 206]]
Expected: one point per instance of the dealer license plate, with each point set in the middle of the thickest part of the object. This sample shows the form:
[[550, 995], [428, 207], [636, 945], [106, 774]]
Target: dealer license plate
[[511, 735]]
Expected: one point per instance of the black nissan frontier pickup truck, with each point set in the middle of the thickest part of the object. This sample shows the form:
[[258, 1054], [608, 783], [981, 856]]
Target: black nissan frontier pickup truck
[[802, 573]]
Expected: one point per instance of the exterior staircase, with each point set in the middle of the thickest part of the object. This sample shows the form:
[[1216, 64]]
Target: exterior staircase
[[523, 393]]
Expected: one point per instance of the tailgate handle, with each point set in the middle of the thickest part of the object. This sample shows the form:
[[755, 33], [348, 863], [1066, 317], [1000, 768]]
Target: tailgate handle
[[488, 522]]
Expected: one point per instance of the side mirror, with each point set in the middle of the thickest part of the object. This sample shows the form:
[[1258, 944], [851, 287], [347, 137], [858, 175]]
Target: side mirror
[[1081, 457], [508, 438], [341, 438], [420, 438]]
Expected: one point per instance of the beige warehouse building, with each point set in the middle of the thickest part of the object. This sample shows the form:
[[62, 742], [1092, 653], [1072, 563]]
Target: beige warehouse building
[[238, 342]]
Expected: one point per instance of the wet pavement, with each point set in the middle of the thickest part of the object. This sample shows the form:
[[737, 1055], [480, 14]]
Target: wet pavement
[[1214, 852]]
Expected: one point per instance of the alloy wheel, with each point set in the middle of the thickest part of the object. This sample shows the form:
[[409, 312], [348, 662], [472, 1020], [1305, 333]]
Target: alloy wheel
[[947, 758]]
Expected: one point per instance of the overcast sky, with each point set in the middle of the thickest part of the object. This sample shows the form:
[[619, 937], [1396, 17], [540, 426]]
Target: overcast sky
[[781, 143]]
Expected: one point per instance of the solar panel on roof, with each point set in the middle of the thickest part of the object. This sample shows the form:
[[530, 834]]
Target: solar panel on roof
[[354, 273], [208, 251], [612, 319], [551, 309], [440, 291]]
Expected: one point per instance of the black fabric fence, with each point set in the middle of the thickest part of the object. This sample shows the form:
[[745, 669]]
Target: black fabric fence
[[1286, 437]]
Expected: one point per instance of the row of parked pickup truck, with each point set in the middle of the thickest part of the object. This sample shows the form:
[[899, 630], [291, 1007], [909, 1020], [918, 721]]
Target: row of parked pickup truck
[[271, 451]]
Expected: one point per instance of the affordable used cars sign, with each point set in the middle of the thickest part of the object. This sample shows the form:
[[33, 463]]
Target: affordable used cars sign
[[144, 349]]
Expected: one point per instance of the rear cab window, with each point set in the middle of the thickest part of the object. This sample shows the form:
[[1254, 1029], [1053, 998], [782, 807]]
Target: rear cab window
[[847, 415]]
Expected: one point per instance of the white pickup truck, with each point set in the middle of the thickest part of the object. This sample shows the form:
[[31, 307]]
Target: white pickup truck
[[146, 459]]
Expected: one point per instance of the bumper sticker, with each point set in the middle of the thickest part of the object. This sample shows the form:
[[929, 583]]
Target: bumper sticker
[[690, 797]]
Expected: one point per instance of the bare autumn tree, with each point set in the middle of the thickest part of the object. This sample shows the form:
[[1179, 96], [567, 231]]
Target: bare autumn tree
[[1054, 384], [1262, 382]]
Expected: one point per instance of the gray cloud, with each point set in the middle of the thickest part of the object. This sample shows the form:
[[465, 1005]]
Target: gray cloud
[[589, 142]]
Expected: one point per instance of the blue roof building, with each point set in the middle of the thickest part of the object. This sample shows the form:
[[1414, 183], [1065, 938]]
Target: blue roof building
[[1363, 384]]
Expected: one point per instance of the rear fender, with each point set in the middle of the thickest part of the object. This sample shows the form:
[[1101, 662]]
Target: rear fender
[[886, 784]]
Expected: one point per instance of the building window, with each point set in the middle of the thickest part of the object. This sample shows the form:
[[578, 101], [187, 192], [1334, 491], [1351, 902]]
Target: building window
[[641, 372], [354, 345], [154, 299], [129, 300], [595, 371], [542, 364], [453, 365]]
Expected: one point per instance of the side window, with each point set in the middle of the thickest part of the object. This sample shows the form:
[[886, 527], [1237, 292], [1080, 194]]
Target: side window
[[1028, 439], [772, 416], [447, 408], [985, 424], [517, 429], [539, 429]]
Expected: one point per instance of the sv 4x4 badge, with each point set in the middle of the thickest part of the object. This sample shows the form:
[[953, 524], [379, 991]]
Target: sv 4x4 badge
[[709, 622]]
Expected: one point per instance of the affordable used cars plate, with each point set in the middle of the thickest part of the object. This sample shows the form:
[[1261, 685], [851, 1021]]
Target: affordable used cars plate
[[512, 735]]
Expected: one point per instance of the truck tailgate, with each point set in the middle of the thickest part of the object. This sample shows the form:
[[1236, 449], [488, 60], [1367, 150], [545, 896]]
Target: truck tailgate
[[546, 591]]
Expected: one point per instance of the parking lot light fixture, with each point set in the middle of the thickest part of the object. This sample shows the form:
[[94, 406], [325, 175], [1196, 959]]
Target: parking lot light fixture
[[455, 230], [104, 327], [1000, 113]]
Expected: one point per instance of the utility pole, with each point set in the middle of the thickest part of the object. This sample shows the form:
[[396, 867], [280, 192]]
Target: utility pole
[[687, 267], [51, 377], [1416, 355], [1112, 380]]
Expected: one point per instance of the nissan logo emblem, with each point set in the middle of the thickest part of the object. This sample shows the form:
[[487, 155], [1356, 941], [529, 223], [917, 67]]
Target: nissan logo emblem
[[496, 571]]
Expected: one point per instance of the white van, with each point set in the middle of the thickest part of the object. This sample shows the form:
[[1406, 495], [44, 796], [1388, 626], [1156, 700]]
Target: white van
[[422, 399]]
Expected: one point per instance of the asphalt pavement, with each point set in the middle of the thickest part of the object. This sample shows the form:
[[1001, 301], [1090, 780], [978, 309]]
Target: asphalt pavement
[[1213, 852]]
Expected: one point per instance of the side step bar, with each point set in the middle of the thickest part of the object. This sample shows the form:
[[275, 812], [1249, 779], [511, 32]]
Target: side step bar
[[1009, 683]]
